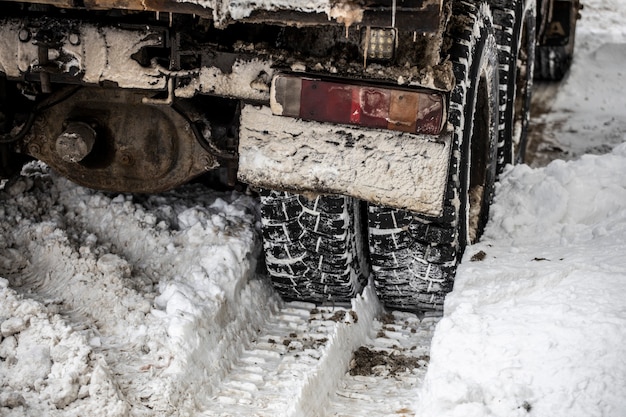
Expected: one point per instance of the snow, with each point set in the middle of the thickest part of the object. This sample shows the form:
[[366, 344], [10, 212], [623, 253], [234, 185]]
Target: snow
[[537, 327], [119, 305], [245, 79], [110, 304], [539, 323]]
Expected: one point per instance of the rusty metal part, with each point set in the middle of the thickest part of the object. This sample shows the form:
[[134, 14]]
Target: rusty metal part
[[418, 15], [66, 51], [165, 6], [136, 147], [154, 58], [44, 77], [424, 19], [76, 142]]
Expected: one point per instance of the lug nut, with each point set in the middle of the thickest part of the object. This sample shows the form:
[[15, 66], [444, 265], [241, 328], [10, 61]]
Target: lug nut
[[34, 150], [126, 159]]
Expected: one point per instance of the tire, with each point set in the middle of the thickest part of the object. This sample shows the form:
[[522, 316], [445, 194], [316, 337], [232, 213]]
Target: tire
[[313, 247], [514, 24], [414, 259], [555, 53]]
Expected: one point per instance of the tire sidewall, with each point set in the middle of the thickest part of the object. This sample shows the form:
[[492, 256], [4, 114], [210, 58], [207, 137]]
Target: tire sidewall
[[514, 124], [482, 60]]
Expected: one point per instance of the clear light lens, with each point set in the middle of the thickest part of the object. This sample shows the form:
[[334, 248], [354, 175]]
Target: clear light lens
[[379, 43]]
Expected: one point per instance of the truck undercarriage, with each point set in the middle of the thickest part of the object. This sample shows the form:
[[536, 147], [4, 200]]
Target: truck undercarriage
[[373, 131]]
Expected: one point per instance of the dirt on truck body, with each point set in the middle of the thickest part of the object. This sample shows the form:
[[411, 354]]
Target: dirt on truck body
[[373, 131]]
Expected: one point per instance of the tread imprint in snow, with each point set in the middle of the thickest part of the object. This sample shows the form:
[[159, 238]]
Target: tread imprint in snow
[[393, 364], [298, 355], [290, 344]]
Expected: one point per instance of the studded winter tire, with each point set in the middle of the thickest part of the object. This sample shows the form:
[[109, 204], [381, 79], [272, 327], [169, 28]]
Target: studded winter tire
[[414, 258], [555, 51], [313, 246], [514, 26]]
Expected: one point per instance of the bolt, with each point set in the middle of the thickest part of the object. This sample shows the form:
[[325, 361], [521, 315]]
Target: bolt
[[74, 39], [76, 142], [126, 159], [34, 149], [208, 162], [24, 35]]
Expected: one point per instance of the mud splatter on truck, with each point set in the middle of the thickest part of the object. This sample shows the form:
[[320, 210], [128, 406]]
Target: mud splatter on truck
[[372, 130]]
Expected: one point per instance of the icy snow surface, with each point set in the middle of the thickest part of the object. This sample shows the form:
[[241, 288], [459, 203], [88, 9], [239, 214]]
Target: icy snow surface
[[116, 305], [165, 286]]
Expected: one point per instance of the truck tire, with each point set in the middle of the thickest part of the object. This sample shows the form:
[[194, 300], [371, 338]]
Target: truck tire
[[414, 259], [314, 250], [555, 53], [514, 25]]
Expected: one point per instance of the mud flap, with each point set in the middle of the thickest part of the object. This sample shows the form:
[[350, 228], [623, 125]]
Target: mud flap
[[394, 169]]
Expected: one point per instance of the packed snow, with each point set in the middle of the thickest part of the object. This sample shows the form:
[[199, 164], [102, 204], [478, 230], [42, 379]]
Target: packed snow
[[537, 320], [120, 305]]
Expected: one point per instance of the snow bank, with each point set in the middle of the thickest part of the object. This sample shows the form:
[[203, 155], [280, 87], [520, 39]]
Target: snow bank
[[122, 305], [537, 320], [538, 326]]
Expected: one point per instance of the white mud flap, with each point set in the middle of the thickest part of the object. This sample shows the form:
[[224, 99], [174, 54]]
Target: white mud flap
[[382, 167]]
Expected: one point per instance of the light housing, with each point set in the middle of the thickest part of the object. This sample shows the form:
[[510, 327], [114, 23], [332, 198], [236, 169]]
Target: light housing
[[379, 43], [335, 101]]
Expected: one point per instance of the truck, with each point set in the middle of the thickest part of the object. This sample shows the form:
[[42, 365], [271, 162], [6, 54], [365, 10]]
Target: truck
[[372, 131]]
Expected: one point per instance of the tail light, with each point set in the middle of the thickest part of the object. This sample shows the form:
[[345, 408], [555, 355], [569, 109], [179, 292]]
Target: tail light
[[414, 111]]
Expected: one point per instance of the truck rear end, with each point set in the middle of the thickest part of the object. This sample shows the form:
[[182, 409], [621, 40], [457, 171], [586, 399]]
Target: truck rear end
[[370, 128]]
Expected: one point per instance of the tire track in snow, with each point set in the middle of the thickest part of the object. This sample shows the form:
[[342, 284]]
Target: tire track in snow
[[135, 281], [296, 361], [116, 269], [386, 373], [298, 365]]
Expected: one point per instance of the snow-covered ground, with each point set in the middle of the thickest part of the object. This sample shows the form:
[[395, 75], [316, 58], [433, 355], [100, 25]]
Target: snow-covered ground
[[586, 113], [115, 305], [537, 327]]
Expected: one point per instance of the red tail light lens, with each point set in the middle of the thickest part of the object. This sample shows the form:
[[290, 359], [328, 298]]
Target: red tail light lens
[[411, 111]]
